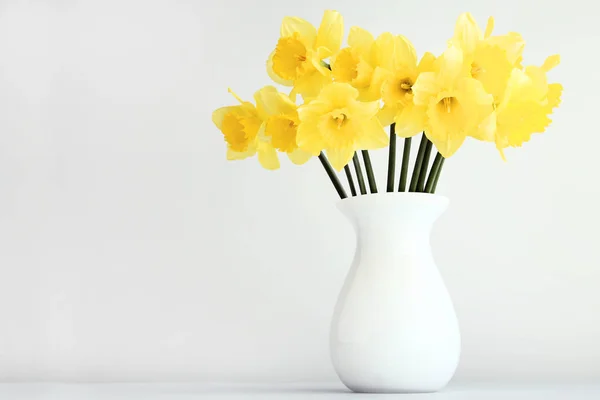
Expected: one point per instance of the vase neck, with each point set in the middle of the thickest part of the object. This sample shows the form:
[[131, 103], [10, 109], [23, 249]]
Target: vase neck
[[394, 215]]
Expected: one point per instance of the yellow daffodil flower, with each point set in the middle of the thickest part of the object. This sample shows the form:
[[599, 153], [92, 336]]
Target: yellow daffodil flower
[[410, 118], [399, 58], [240, 125], [263, 129], [477, 88], [298, 57], [489, 59], [456, 104], [338, 123], [512, 43], [357, 65], [280, 114], [526, 105]]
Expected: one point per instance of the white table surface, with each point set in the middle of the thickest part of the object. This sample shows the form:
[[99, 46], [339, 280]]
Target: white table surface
[[175, 391]]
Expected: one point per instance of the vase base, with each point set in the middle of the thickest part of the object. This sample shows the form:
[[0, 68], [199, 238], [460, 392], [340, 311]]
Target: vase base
[[372, 390], [392, 389]]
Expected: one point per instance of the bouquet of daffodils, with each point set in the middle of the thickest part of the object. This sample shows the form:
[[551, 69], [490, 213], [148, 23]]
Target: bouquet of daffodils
[[342, 99]]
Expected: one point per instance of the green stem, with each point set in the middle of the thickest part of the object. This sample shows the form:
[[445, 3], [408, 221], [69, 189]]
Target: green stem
[[405, 159], [369, 168], [333, 176], [391, 159], [435, 168], [424, 167], [359, 174], [437, 176], [418, 163], [350, 180]]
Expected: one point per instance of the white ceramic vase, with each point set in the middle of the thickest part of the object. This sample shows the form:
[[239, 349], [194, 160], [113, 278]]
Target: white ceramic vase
[[394, 328]]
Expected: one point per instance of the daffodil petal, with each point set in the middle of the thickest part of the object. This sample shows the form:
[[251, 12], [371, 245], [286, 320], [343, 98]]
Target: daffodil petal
[[489, 28], [451, 67], [473, 97], [473, 90], [514, 87], [551, 62], [424, 88], [486, 131], [377, 79], [311, 108], [405, 54], [331, 31], [427, 63], [446, 148], [260, 97], [466, 33], [309, 138], [384, 51], [299, 156], [453, 145], [340, 157], [360, 40], [372, 92], [447, 128], [495, 69], [363, 110], [501, 151], [338, 93], [269, 102], [372, 136], [309, 85], [411, 120], [267, 156], [387, 114], [294, 95], [512, 43], [305, 29], [233, 155]]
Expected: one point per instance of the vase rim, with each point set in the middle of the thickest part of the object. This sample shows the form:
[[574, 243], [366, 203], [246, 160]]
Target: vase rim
[[394, 200], [426, 197]]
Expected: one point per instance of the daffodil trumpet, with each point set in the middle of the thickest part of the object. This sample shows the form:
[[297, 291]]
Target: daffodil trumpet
[[334, 101]]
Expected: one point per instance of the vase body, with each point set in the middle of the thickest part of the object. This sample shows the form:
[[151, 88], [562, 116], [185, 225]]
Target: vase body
[[394, 328]]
